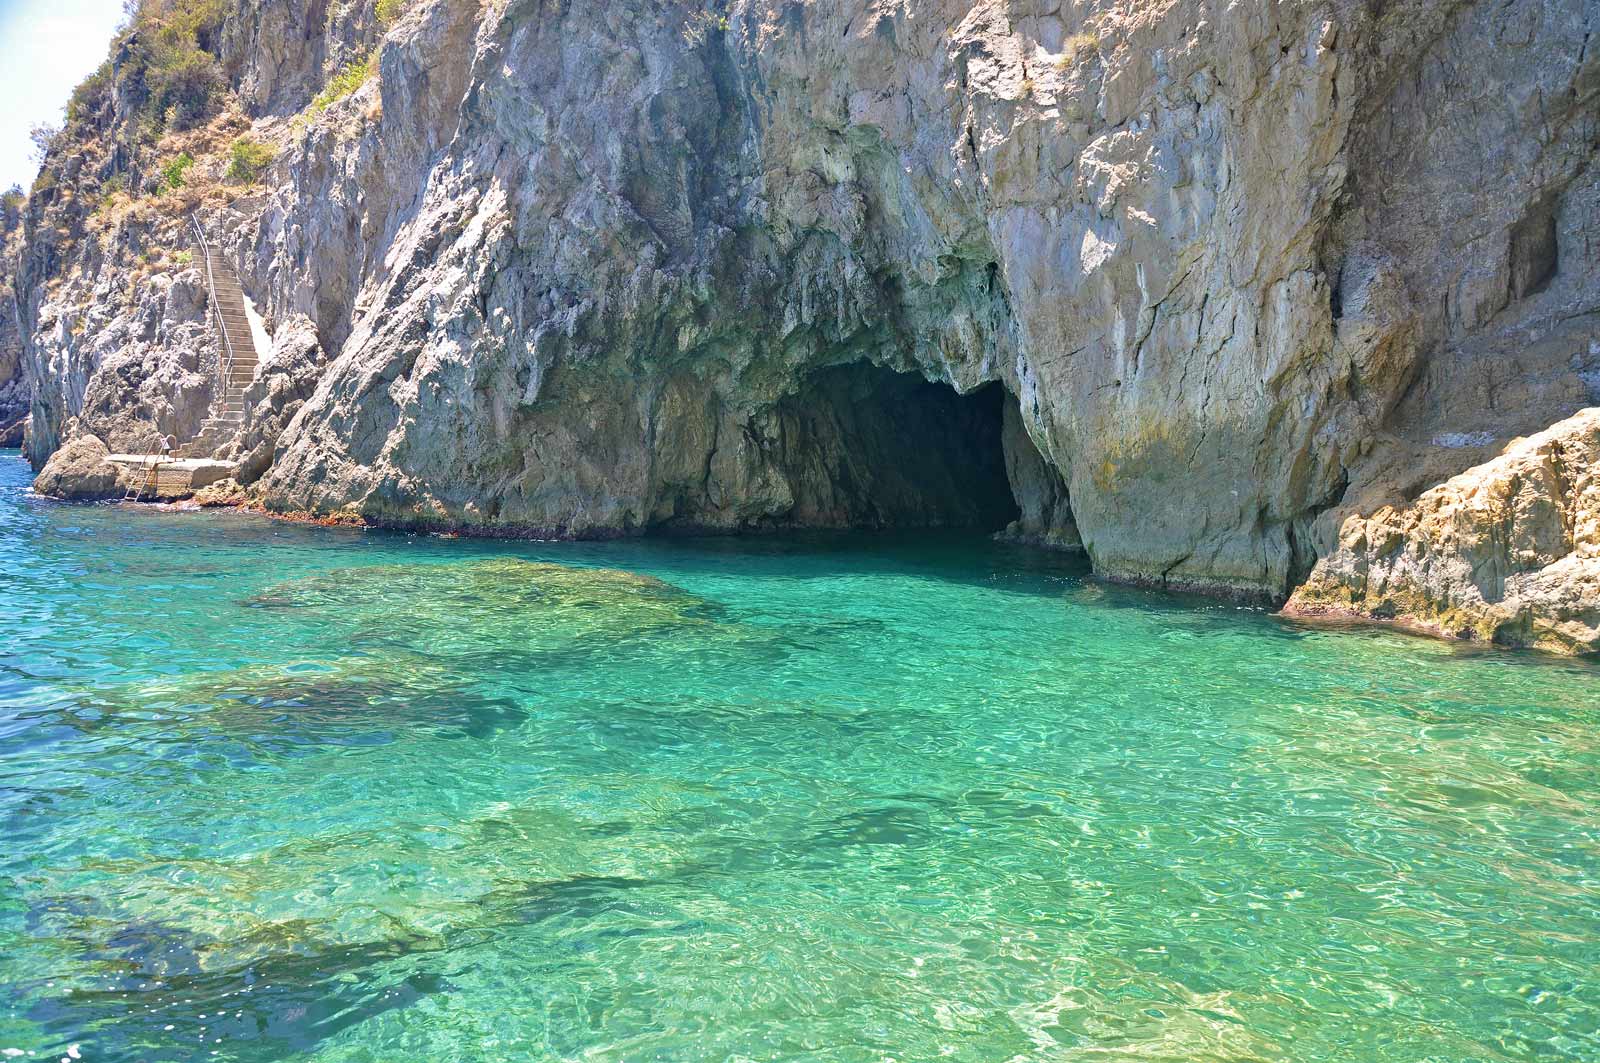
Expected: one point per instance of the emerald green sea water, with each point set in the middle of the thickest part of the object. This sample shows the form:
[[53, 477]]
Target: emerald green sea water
[[272, 792]]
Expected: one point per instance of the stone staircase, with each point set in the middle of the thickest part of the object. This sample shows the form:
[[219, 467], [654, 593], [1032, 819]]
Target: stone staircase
[[237, 356]]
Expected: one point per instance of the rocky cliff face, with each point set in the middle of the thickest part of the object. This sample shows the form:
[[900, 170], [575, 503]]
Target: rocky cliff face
[[1193, 282], [15, 391], [1508, 552]]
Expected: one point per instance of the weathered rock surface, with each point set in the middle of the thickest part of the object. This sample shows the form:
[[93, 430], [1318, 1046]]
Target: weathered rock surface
[[81, 471], [285, 379], [15, 391], [1156, 246], [1507, 552], [1191, 282], [223, 493]]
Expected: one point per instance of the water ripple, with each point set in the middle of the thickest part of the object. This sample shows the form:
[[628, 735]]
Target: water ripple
[[274, 792]]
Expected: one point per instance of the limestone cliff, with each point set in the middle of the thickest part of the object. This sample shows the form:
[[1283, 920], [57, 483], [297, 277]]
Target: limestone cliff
[[1195, 280], [1508, 552], [15, 391]]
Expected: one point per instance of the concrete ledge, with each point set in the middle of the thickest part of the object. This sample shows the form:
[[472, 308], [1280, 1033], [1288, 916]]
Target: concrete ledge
[[175, 478]]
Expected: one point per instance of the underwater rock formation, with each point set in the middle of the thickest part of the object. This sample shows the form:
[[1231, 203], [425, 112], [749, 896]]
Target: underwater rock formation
[[481, 606], [1190, 282]]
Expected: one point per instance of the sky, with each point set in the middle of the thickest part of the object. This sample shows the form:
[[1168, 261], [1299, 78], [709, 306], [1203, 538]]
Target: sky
[[46, 48]]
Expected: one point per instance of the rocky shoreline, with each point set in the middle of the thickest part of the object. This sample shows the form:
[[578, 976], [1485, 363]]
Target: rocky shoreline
[[1189, 289]]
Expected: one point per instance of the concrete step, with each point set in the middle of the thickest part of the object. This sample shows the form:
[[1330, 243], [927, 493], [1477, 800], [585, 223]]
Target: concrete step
[[230, 322]]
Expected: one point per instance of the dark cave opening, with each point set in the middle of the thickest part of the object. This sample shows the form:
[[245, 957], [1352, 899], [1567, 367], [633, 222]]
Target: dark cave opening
[[865, 447]]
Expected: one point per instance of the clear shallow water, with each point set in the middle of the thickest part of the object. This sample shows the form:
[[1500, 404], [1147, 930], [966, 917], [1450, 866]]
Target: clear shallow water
[[271, 792]]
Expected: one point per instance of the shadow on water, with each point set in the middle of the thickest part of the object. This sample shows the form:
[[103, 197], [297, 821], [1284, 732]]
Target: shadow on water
[[358, 700], [284, 1003], [163, 992]]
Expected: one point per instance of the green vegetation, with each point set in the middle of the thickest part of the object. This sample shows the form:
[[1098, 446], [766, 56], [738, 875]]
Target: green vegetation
[[168, 69], [106, 195], [171, 45], [247, 159], [44, 182], [172, 173], [350, 78], [43, 135], [12, 203], [90, 95], [389, 11], [183, 258], [165, 78], [701, 25]]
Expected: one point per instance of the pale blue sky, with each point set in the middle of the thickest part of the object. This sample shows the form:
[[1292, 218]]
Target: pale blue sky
[[46, 48]]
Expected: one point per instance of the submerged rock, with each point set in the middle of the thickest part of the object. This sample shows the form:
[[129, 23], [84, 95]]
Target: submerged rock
[[1507, 552], [359, 699], [490, 605]]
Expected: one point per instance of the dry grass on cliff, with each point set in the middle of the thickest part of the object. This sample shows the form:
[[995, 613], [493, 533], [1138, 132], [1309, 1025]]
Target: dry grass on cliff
[[178, 188], [1078, 46]]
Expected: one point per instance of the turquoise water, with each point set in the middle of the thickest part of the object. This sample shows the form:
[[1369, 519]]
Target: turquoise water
[[273, 792]]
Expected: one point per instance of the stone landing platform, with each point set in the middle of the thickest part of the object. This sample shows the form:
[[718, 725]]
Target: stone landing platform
[[175, 478]]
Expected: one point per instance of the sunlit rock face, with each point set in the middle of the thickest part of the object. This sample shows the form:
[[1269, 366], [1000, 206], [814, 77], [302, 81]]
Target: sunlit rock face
[[1171, 247], [1507, 552], [1235, 273]]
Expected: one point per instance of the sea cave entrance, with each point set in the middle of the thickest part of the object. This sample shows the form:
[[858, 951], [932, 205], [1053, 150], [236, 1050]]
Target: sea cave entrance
[[866, 447]]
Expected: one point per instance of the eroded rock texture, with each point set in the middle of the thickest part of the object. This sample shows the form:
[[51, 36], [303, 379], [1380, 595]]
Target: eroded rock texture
[[15, 391], [81, 471], [1507, 552], [1197, 280]]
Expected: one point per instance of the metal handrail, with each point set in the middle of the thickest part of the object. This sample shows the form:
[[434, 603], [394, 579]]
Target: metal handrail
[[225, 369]]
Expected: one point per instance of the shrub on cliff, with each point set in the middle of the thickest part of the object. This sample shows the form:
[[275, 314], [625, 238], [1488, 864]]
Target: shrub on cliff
[[1079, 45], [174, 171], [349, 78], [89, 97], [169, 56], [247, 159], [43, 137]]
